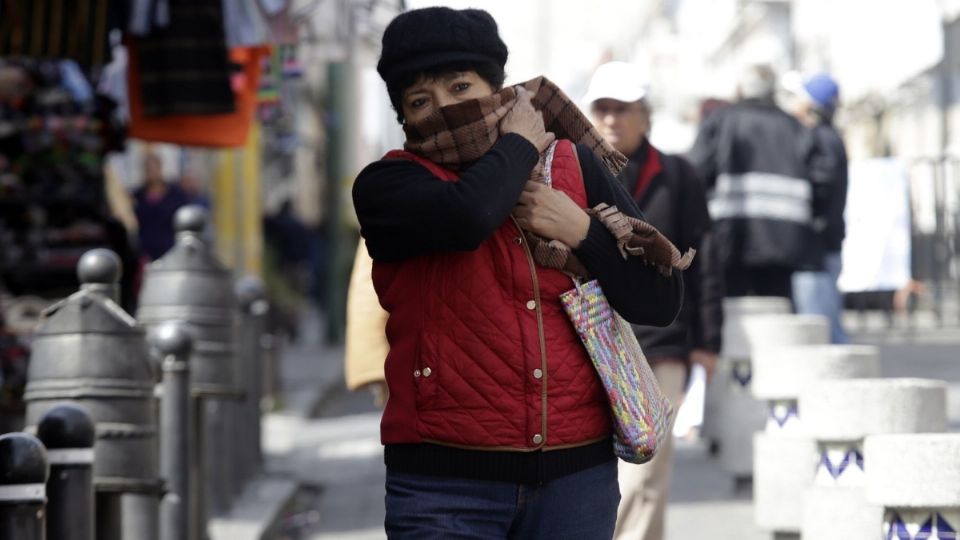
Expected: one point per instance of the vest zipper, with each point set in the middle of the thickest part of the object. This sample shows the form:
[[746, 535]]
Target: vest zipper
[[540, 333]]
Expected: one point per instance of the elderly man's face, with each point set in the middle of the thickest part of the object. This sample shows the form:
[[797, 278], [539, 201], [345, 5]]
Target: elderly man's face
[[624, 125]]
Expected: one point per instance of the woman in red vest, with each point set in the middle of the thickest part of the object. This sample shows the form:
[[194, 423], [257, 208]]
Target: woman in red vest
[[496, 425]]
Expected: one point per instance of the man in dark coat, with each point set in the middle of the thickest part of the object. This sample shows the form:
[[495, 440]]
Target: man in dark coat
[[671, 196], [756, 161]]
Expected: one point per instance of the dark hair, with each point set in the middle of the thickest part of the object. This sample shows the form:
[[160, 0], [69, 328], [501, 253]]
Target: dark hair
[[490, 72]]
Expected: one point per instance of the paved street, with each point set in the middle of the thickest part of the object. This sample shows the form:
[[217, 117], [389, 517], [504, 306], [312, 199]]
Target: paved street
[[333, 450]]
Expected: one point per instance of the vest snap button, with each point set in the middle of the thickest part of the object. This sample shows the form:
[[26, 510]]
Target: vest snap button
[[416, 373], [538, 373], [537, 439], [532, 304], [427, 371], [518, 240]]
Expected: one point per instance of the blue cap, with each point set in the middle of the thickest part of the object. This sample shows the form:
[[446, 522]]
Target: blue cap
[[823, 90]]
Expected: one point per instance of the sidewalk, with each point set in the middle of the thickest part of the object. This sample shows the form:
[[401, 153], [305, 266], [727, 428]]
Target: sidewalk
[[309, 373], [324, 470]]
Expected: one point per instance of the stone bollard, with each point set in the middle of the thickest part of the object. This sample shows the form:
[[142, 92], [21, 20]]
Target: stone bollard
[[785, 457], [915, 478], [839, 415], [728, 398], [741, 420], [23, 475], [174, 344], [88, 352], [251, 296], [68, 433], [189, 285]]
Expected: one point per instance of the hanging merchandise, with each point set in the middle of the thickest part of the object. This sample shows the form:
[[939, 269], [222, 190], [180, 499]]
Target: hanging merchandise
[[218, 130], [54, 133], [244, 23], [184, 66], [277, 14], [58, 29]]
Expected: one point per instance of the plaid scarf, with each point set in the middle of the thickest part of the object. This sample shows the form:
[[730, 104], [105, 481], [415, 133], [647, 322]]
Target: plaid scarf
[[457, 135]]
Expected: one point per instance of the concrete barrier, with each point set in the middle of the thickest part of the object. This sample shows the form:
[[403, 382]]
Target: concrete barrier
[[916, 479], [848, 411], [743, 415], [785, 457], [838, 415], [727, 395], [841, 513], [783, 468]]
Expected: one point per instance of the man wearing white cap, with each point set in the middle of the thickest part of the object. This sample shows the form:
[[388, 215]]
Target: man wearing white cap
[[671, 197]]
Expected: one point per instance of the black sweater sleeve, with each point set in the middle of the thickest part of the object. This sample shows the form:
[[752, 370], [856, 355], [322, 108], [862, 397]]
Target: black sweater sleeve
[[405, 211], [637, 291], [702, 304]]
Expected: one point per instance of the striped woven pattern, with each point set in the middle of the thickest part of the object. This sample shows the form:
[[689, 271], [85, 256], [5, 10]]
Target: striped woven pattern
[[640, 411]]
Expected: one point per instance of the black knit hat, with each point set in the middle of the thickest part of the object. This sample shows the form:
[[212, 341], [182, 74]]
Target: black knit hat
[[418, 40]]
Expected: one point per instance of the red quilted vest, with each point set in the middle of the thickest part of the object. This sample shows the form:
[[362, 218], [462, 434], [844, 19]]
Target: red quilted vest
[[482, 354]]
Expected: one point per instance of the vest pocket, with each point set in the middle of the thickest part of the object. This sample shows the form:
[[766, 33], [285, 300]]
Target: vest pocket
[[425, 374]]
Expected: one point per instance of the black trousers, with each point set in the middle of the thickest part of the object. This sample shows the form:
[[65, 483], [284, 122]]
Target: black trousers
[[758, 281]]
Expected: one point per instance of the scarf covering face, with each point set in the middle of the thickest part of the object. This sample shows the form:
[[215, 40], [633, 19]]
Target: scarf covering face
[[457, 135]]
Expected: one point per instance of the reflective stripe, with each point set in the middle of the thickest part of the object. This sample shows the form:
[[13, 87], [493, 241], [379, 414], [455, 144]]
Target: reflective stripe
[[760, 207], [70, 456], [762, 195], [23, 492]]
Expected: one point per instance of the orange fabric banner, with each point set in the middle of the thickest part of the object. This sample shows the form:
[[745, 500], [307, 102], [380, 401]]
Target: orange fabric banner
[[217, 130]]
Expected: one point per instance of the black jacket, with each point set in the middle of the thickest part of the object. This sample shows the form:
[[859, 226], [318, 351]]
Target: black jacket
[[756, 161], [830, 170], [673, 201]]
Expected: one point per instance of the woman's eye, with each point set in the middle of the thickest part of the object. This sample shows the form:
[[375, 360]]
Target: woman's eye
[[461, 86], [419, 102]]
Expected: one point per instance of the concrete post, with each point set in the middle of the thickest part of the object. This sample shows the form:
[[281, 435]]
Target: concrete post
[[174, 344], [23, 475], [68, 433], [726, 398], [839, 415], [251, 296], [742, 414], [785, 457], [915, 478]]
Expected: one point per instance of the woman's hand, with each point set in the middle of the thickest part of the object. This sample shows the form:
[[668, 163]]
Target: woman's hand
[[551, 214], [526, 121]]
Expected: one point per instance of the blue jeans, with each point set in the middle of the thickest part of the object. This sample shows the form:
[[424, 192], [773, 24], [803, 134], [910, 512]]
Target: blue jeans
[[582, 505], [816, 293]]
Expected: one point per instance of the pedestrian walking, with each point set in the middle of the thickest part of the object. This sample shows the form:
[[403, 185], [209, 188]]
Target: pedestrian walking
[[155, 204], [756, 162], [671, 197], [815, 292], [496, 424]]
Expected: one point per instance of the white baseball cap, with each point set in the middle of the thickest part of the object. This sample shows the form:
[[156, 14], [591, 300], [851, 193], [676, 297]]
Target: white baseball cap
[[617, 80]]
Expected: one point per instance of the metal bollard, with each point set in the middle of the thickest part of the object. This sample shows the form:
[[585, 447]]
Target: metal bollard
[[23, 475], [89, 352], [68, 433], [189, 285], [174, 344], [253, 308]]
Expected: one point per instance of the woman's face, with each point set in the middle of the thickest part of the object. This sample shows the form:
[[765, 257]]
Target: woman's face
[[427, 95]]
